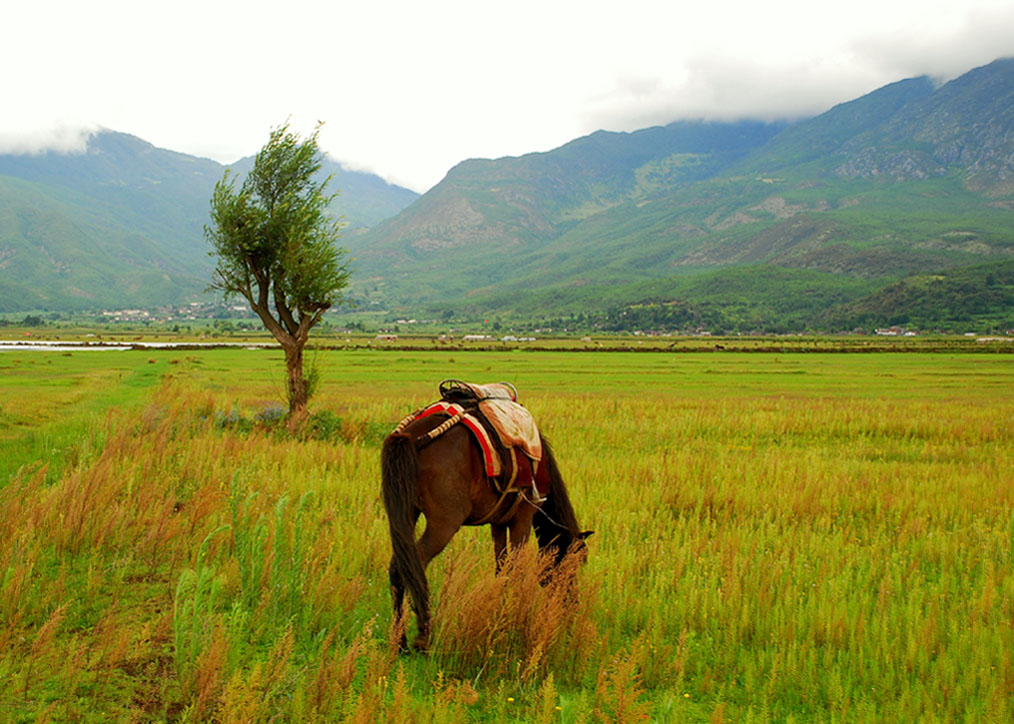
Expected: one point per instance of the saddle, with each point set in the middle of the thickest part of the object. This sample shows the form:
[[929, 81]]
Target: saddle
[[498, 402], [500, 425]]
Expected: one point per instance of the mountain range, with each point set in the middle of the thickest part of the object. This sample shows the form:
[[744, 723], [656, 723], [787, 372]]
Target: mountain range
[[121, 224], [893, 208], [714, 222]]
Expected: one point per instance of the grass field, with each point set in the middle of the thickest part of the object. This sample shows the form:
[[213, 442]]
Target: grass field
[[779, 537]]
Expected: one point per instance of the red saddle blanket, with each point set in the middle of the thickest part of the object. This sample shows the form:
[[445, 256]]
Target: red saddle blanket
[[494, 466], [518, 471]]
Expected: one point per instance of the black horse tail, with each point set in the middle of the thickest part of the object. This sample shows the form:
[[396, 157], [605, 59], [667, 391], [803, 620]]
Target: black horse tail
[[399, 466], [556, 523]]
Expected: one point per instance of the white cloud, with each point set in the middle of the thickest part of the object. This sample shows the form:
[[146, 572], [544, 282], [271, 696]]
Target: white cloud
[[408, 89], [972, 39], [716, 88], [61, 138], [768, 75]]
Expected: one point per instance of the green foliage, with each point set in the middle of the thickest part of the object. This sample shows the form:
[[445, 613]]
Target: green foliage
[[743, 300], [979, 298], [62, 250], [867, 194], [277, 248], [121, 226], [197, 597], [325, 425], [872, 190], [274, 235]]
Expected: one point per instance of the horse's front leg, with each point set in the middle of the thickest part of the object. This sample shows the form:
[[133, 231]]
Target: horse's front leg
[[521, 525], [499, 545], [519, 529]]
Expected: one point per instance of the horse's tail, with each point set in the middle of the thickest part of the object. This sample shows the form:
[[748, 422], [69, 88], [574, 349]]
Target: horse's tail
[[399, 466], [556, 521]]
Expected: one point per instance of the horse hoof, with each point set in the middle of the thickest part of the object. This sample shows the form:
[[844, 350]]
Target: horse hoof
[[421, 644]]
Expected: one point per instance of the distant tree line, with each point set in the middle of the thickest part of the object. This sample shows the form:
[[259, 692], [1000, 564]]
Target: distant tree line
[[30, 320], [962, 298]]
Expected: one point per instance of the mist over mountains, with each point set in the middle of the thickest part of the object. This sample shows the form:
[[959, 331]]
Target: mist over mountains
[[893, 208]]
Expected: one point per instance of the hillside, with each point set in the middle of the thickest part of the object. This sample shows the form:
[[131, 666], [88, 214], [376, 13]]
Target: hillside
[[825, 223], [486, 211], [364, 199], [910, 179], [61, 249], [121, 224], [951, 299]]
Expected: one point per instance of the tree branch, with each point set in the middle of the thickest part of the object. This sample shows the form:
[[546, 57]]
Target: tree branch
[[285, 311]]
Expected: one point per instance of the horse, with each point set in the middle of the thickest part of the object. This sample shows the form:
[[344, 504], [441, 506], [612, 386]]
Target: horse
[[444, 479]]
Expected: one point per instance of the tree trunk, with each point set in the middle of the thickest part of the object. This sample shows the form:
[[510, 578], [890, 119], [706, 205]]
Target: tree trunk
[[297, 388]]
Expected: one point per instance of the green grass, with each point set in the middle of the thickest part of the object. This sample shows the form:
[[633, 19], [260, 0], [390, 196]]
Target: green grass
[[779, 537], [50, 403]]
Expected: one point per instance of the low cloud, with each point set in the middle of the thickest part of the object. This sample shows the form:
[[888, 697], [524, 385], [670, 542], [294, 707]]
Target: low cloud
[[984, 35], [721, 87], [60, 138]]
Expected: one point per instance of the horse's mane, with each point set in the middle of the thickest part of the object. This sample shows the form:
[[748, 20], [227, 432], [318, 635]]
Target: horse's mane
[[557, 514]]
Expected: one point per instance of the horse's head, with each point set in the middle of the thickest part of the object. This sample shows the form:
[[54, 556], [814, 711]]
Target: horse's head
[[578, 547], [564, 544]]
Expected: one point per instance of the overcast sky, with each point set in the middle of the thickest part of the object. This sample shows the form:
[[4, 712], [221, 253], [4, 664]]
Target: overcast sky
[[408, 89]]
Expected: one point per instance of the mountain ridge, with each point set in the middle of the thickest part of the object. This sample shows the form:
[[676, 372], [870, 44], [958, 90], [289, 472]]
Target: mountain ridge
[[911, 180]]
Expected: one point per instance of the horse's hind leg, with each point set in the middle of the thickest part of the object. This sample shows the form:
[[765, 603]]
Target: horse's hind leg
[[398, 596], [435, 538], [398, 599]]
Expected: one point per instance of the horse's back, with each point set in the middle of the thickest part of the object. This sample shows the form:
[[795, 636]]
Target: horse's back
[[451, 471]]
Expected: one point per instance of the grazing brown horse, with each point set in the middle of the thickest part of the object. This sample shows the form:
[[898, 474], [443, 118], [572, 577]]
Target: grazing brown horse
[[445, 480]]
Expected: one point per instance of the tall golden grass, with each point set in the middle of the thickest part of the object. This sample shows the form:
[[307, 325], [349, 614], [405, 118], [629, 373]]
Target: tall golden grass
[[756, 559]]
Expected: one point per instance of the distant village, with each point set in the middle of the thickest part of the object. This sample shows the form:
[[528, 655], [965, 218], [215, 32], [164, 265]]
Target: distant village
[[180, 313], [226, 317]]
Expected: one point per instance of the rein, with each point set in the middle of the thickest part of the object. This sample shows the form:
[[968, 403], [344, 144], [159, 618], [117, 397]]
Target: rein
[[547, 516], [510, 511]]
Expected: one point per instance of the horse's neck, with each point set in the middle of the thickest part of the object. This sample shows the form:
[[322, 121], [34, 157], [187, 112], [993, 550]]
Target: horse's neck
[[550, 533]]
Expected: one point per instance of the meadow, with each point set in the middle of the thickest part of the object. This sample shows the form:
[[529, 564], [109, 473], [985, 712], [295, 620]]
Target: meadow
[[780, 537]]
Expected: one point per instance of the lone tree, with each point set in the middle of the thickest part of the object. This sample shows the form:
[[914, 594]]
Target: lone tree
[[277, 247]]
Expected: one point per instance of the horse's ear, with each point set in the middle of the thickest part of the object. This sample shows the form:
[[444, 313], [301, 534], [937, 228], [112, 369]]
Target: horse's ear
[[583, 535]]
